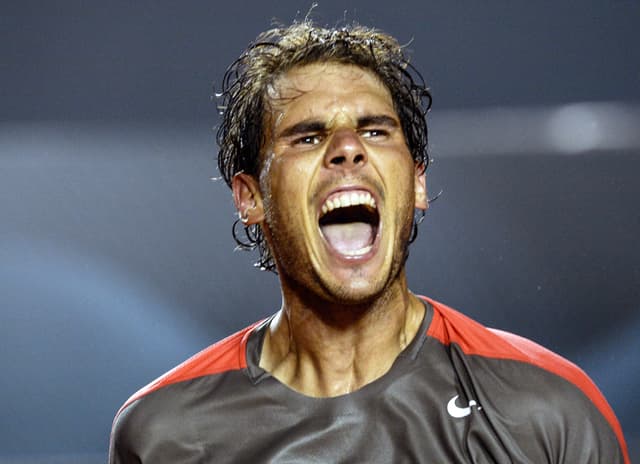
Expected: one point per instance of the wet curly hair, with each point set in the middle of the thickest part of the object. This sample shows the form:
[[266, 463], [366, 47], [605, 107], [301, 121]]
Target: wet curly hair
[[243, 102]]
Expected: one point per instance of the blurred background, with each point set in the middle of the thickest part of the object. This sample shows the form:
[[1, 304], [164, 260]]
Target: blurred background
[[116, 258]]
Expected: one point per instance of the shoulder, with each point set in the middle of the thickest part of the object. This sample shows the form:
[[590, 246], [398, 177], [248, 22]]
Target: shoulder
[[452, 327], [524, 372], [226, 355], [158, 405]]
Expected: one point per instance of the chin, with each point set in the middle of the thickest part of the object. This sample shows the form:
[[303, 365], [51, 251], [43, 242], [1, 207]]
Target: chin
[[353, 290]]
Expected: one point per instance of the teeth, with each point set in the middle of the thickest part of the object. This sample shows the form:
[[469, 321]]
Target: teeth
[[359, 252], [345, 199]]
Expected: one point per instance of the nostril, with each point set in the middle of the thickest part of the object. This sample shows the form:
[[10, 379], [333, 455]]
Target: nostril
[[338, 160], [358, 159]]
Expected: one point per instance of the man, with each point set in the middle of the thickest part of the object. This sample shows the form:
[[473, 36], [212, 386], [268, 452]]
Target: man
[[323, 142]]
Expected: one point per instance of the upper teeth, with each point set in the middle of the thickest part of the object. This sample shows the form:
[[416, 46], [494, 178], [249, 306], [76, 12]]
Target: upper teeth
[[345, 199]]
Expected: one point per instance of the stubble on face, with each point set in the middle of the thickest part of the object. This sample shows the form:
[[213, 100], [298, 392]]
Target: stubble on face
[[294, 176]]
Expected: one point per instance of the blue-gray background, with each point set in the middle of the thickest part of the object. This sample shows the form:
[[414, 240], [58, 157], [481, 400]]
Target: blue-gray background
[[116, 260]]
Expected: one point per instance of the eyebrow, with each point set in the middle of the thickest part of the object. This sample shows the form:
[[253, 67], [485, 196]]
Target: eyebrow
[[377, 120], [315, 125], [303, 127]]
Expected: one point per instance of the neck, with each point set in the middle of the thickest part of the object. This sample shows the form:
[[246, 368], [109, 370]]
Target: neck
[[326, 349]]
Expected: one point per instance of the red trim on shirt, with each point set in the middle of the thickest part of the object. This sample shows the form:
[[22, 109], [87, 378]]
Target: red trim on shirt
[[450, 326], [226, 355]]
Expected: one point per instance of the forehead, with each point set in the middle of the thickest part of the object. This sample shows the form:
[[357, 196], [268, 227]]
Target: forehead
[[322, 89]]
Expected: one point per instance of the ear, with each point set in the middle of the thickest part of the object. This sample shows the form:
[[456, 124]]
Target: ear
[[247, 198], [422, 201]]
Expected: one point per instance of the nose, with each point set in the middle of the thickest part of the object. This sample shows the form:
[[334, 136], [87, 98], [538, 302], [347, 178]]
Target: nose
[[345, 151]]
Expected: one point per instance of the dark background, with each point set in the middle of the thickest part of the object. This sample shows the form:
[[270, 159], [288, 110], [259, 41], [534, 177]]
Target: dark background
[[116, 259]]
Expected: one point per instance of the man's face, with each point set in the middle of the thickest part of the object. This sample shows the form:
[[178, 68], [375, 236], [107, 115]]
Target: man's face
[[338, 184]]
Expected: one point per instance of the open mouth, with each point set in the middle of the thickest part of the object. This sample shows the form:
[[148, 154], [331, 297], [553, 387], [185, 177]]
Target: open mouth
[[349, 222]]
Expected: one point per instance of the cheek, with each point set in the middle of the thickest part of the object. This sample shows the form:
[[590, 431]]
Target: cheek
[[401, 170], [283, 184], [405, 192]]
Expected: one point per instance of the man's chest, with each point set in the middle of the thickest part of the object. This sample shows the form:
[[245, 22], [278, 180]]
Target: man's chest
[[409, 420]]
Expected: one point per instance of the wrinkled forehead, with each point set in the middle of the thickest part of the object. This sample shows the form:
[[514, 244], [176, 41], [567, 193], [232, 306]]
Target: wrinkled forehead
[[321, 87], [311, 77]]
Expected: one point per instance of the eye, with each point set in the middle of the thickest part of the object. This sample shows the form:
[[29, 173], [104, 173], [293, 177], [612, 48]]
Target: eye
[[314, 139], [374, 133]]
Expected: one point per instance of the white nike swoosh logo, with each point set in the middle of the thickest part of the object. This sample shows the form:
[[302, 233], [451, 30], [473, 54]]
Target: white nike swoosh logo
[[457, 412]]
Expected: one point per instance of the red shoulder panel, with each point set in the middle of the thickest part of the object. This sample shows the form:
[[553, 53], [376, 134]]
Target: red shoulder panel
[[226, 355], [450, 326]]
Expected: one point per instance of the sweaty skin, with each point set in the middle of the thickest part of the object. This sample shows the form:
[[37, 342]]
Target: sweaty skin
[[344, 317]]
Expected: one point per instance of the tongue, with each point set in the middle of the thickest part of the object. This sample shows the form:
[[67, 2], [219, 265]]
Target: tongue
[[347, 237]]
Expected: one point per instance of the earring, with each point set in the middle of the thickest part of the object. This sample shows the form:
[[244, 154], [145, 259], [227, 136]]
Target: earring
[[244, 216]]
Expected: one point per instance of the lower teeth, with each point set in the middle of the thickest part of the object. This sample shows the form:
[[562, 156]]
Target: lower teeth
[[359, 252]]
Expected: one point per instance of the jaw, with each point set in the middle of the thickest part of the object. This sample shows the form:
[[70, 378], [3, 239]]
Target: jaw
[[365, 253], [357, 279], [345, 269]]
